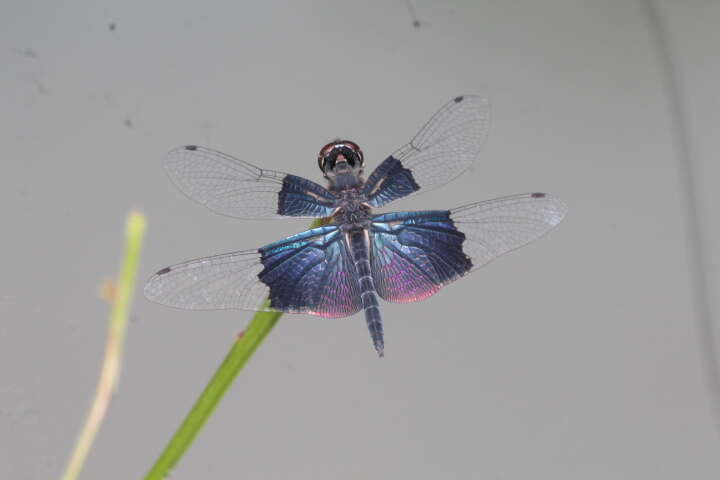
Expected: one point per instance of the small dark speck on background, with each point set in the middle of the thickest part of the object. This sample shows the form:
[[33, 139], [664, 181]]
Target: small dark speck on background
[[112, 27], [128, 123], [411, 9], [41, 88], [26, 52]]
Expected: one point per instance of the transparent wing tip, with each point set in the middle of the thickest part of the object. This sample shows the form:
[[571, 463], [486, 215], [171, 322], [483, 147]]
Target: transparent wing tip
[[474, 98], [555, 209], [153, 286]]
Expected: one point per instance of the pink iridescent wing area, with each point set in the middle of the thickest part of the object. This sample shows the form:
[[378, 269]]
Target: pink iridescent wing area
[[414, 254], [310, 272]]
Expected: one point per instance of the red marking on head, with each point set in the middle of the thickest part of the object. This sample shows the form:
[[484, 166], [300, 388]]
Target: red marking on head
[[337, 143]]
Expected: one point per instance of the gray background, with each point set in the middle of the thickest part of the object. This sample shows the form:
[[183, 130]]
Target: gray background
[[585, 355]]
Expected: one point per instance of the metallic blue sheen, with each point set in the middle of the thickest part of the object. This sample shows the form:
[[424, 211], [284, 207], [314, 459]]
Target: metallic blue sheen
[[300, 239], [311, 272], [300, 197], [388, 182]]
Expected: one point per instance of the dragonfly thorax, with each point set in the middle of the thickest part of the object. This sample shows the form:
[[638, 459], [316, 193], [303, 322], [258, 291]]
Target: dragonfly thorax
[[352, 209]]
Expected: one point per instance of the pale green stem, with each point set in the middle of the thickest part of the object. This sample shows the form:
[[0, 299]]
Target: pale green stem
[[121, 300]]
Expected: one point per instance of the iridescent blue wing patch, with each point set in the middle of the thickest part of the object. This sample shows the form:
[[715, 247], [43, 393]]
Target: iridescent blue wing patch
[[311, 275], [415, 253], [445, 147], [230, 186], [310, 272]]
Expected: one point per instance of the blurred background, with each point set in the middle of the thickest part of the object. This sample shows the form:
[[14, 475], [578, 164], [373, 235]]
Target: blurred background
[[588, 354]]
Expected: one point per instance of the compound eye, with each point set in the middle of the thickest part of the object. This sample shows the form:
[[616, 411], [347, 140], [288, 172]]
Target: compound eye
[[350, 155], [357, 153], [327, 159], [331, 161]]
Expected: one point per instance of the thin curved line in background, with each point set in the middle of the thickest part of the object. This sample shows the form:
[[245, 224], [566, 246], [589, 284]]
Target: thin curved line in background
[[697, 250]]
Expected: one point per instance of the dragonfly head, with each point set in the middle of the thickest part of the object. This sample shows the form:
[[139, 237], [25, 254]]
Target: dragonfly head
[[341, 158]]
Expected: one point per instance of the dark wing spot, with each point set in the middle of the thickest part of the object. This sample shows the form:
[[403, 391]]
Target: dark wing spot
[[164, 271], [458, 99], [538, 195], [192, 148]]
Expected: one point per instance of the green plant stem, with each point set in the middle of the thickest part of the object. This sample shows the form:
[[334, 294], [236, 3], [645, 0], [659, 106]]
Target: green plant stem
[[241, 351], [235, 360], [121, 299]]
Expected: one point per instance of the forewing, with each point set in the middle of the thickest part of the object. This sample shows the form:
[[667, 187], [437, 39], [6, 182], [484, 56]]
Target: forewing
[[416, 253], [307, 273], [233, 187], [445, 147]]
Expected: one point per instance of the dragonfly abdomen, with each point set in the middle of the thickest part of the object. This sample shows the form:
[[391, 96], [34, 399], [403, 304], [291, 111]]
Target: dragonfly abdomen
[[359, 246]]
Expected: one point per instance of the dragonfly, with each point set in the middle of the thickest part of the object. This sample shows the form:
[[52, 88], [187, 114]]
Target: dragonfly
[[342, 267]]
